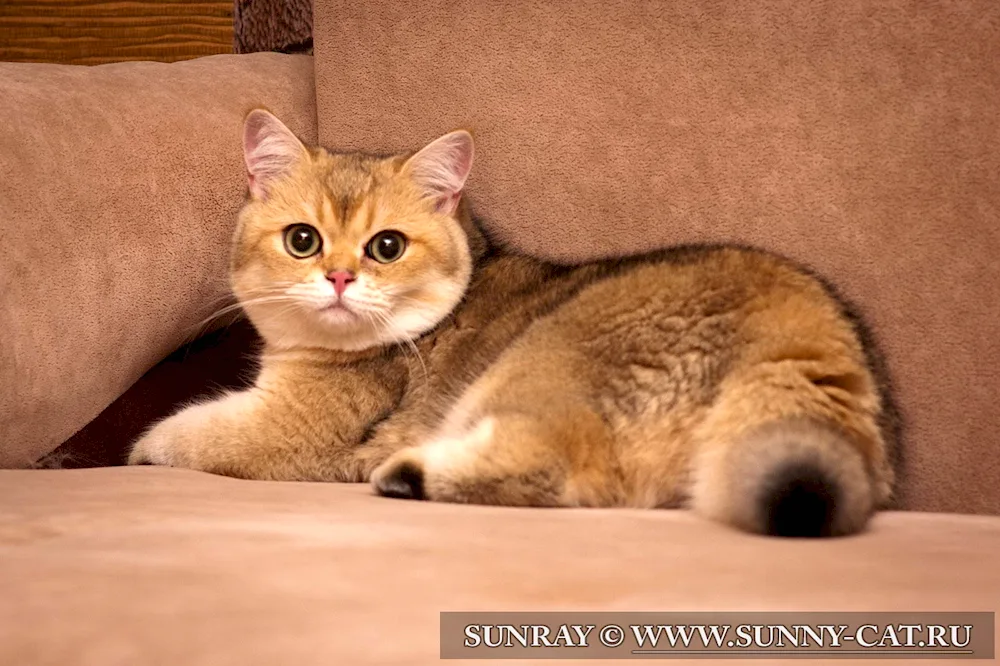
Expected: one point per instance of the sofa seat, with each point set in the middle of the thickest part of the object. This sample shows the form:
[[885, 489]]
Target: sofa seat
[[155, 565]]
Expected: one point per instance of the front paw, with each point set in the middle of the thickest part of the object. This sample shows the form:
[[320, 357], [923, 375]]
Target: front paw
[[170, 442]]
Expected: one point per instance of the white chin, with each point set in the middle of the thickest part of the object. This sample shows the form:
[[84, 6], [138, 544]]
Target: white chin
[[338, 317]]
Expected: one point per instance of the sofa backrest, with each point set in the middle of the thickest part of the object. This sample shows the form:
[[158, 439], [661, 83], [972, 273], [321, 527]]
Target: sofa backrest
[[861, 138]]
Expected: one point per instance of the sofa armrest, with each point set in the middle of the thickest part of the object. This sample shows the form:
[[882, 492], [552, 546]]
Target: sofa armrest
[[119, 188]]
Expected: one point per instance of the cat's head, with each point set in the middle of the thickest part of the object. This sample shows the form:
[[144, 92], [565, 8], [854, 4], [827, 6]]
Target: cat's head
[[350, 251]]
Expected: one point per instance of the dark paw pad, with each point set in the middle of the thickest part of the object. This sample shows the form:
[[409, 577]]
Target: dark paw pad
[[404, 481], [799, 501]]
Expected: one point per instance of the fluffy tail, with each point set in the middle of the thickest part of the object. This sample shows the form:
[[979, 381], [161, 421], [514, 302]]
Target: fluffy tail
[[794, 478]]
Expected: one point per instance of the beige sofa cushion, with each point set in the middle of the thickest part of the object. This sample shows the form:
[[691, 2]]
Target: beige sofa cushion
[[149, 565], [119, 187], [859, 137]]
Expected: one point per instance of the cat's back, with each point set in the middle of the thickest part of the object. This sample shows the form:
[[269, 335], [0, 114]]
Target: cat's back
[[667, 327], [716, 291], [706, 300]]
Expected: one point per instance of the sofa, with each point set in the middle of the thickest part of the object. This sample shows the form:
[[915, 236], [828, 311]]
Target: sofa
[[860, 138]]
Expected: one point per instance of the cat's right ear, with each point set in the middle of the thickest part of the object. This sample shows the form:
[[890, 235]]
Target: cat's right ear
[[271, 151]]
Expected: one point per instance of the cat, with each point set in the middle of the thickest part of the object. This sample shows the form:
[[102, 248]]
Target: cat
[[405, 348]]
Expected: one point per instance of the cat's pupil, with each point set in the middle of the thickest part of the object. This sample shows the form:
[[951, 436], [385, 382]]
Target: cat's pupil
[[389, 247], [302, 240]]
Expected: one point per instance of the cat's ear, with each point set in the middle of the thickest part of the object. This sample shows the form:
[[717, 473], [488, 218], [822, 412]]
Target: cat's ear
[[442, 167], [270, 149]]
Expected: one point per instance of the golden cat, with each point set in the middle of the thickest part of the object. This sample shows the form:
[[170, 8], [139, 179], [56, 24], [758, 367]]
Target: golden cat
[[403, 347]]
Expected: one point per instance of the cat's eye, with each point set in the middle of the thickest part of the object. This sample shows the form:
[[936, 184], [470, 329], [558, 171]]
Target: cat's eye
[[386, 247], [302, 241]]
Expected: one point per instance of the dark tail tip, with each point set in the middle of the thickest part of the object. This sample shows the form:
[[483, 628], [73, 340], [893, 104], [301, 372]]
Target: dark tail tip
[[799, 500]]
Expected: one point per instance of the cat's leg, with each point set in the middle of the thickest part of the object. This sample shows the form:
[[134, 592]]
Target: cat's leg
[[523, 435], [200, 436], [395, 433], [792, 448], [240, 435], [296, 424], [237, 435]]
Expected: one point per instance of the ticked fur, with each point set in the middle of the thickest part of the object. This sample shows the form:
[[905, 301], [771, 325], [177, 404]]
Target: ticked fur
[[723, 379]]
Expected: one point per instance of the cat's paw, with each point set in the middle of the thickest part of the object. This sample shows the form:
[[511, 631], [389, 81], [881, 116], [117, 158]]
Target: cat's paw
[[172, 442], [443, 469], [401, 476], [144, 452]]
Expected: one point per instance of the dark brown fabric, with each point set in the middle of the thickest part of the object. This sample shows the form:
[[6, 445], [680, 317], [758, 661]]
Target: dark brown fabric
[[272, 25], [119, 187], [858, 137], [144, 565]]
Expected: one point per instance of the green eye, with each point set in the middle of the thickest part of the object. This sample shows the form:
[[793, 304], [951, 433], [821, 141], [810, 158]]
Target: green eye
[[302, 241], [386, 247]]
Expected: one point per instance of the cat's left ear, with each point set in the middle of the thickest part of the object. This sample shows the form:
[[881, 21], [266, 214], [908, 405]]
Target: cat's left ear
[[271, 151], [441, 169]]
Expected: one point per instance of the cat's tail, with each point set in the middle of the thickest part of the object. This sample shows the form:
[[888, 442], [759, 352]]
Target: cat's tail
[[794, 478]]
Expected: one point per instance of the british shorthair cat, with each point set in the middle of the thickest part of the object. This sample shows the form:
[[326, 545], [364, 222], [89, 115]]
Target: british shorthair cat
[[405, 348]]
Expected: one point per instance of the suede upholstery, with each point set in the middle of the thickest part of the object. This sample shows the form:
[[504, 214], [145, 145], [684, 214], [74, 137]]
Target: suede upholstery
[[860, 138], [119, 187], [160, 566], [857, 136]]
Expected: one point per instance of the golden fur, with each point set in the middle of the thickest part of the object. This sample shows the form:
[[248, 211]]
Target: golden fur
[[724, 379]]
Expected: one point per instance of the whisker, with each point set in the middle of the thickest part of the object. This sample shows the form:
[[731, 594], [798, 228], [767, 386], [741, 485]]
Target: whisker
[[235, 307], [400, 340]]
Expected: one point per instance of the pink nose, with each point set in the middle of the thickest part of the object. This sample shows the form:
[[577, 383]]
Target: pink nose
[[340, 280]]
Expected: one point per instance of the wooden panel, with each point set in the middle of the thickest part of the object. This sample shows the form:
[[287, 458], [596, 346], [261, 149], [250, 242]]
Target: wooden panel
[[90, 32]]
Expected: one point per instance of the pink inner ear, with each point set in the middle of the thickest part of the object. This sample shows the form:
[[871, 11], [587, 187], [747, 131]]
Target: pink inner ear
[[448, 203], [270, 151], [442, 168]]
